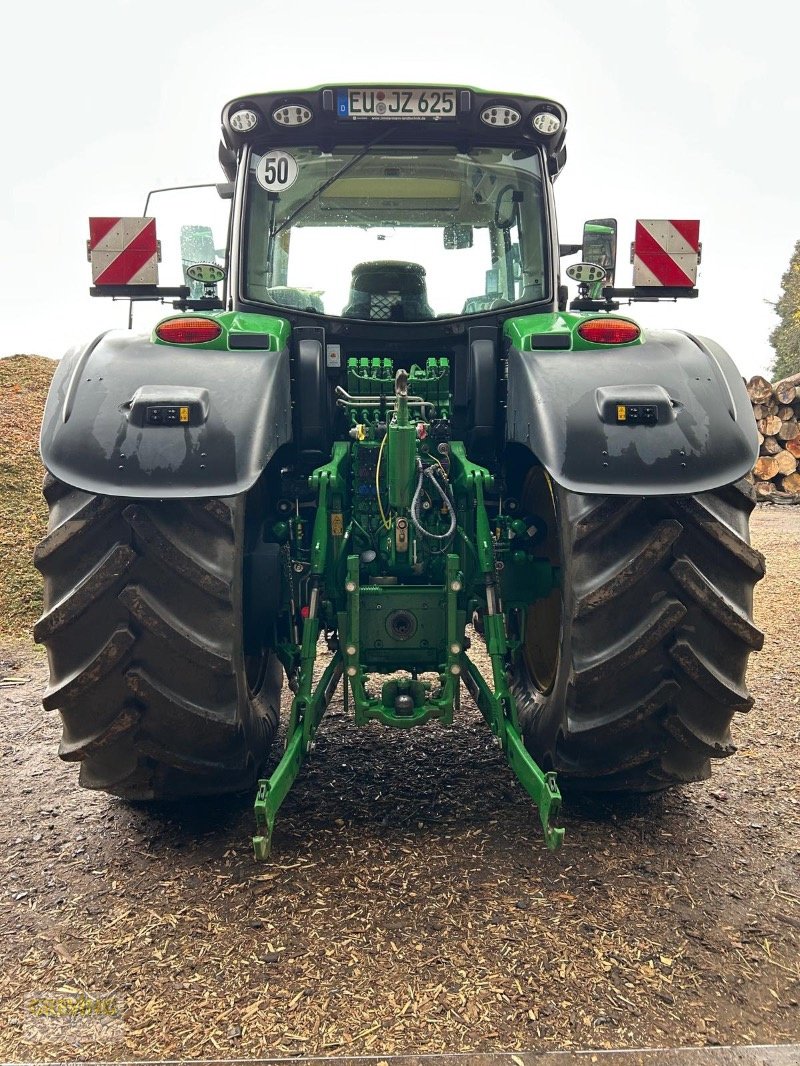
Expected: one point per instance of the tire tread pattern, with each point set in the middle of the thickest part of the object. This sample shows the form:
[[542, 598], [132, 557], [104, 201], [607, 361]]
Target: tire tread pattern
[[657, 631], [143, 627]]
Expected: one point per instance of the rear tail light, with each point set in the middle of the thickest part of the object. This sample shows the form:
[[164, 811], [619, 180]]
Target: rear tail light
[[188, 330], [609, 331]]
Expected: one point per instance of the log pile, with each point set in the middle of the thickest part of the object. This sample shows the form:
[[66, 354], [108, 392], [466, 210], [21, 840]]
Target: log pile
[[776, 408]]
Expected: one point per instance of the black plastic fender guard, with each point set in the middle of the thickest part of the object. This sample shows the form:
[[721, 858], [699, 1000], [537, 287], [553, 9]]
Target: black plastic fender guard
[[126, 417], [583, 415]]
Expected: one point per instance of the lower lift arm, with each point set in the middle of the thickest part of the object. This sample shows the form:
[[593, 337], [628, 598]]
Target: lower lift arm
[[497, 704], [310, 700]]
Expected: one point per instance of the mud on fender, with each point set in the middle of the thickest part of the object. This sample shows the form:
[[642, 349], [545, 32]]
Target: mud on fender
[[669, 416]]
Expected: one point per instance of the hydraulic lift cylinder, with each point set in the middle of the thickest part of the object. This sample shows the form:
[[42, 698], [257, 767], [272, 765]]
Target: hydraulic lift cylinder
[[402, 450]]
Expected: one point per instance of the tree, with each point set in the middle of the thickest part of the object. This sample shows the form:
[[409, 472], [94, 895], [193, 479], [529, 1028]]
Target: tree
[[785, 338]]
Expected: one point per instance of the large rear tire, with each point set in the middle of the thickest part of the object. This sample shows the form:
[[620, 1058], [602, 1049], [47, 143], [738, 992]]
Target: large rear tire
[[143, 621], [630, 673]]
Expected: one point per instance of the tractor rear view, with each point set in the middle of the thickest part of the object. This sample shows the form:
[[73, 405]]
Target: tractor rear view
[[376, 420]]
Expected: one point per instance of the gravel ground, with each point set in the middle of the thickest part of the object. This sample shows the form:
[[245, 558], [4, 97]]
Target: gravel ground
[[410, 905]]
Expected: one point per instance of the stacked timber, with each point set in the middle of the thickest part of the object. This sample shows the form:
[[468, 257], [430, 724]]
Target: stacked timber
[[776, 408]]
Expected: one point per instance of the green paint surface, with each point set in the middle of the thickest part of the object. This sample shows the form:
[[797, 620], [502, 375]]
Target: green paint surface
[[277, 330], [522, 331]]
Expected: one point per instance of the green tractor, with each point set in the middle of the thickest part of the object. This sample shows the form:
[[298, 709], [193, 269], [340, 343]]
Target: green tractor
[[377, 421]]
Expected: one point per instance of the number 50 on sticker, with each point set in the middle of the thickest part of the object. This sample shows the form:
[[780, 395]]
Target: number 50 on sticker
[[276, 171]]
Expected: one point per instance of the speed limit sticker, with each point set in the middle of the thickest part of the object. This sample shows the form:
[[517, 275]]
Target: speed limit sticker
[[276, 171]]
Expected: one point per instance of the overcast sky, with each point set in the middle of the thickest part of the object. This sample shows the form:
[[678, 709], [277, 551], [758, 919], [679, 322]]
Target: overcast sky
[[683, 110]]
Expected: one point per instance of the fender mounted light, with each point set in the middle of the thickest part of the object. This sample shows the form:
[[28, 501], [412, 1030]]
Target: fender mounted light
[[609, 331], [188, 330]]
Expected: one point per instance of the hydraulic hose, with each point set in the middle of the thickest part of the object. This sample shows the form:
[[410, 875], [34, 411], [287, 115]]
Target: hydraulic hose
[[415, 517]]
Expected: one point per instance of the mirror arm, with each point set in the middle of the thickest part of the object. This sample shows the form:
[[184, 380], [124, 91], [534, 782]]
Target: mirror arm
[[139, 292], [209, 303], [636, 295], [644, 294], [588, 304]]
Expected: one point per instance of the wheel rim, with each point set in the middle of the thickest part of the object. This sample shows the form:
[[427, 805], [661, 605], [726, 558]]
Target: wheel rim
[[543, 618], [255, 672]]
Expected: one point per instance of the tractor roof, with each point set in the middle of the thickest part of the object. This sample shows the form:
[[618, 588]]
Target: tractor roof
[[397, 114]]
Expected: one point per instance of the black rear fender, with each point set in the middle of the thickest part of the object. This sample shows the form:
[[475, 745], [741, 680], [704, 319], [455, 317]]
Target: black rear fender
[[563, 407], [96, 435]]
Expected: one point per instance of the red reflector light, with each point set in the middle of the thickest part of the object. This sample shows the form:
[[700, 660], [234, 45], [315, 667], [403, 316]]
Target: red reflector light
[[609, 331], [188, 330]]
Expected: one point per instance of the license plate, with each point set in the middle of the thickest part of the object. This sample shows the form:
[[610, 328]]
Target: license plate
[[396, 103]]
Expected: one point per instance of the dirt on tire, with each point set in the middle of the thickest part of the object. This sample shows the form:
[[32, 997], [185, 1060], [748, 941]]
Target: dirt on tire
[[410, 905], [656, 631], [143, 604]]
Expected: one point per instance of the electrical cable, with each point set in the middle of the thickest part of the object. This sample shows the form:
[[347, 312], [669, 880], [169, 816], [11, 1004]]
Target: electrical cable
[[355, 522], [386, 524]]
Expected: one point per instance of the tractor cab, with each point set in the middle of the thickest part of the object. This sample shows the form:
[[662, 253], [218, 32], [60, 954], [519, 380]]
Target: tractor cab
[[393, 206]]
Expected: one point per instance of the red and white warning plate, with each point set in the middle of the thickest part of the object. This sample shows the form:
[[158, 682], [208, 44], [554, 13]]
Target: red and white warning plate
[[123, 251], [666, 252]]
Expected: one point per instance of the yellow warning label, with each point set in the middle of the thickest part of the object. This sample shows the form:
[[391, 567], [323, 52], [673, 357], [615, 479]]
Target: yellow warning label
[[622, 412], [337, 524], [184, 414]]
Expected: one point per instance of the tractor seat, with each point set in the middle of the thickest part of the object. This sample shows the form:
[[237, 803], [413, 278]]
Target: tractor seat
[[388, 290]]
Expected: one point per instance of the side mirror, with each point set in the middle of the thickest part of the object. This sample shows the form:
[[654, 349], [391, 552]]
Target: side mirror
[[457, 235], [197, 247], [600, 245]]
